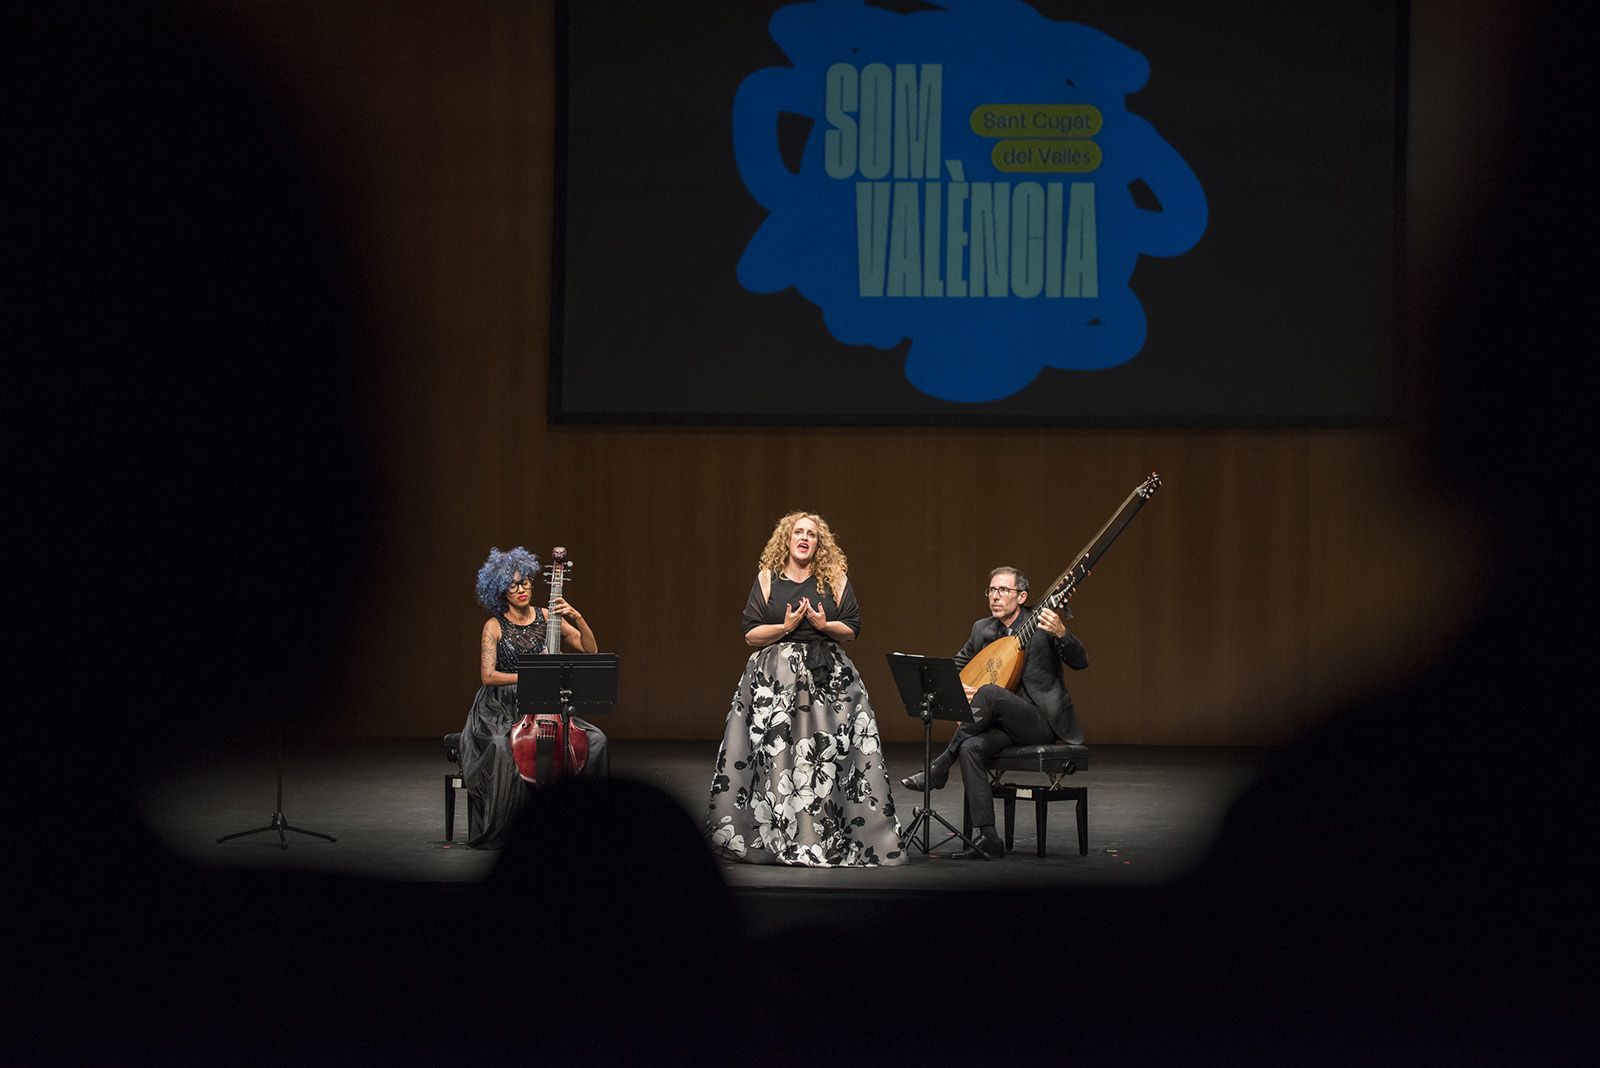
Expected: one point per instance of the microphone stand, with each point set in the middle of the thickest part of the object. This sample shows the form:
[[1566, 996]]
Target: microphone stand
[[279, 823]]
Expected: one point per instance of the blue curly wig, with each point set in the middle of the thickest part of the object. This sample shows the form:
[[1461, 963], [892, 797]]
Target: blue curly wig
[[494, 577]]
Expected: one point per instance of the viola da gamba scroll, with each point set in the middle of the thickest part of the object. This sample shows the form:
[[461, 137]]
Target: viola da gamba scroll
[[1000, 662]]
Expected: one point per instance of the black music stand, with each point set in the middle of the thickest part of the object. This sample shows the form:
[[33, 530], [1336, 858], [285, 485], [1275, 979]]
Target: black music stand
[[930, 688], [565, 683]]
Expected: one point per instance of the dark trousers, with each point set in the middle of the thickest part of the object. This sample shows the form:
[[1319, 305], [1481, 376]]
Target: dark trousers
[[1000, 719]]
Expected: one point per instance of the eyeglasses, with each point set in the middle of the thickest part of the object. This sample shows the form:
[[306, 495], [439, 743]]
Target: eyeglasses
[[996, 591], [521, 583]]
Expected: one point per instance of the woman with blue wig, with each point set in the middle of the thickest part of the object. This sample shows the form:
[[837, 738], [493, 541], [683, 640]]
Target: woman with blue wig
[[516, 628]]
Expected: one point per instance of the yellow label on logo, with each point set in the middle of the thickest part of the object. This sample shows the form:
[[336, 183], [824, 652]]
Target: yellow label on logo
[[1035, 120], [1046, 157]]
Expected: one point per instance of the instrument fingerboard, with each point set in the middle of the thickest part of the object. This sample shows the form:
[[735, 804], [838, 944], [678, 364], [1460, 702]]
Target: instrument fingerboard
[[557, 577]]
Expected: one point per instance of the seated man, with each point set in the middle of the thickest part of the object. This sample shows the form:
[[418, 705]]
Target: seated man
[[1039, 713]]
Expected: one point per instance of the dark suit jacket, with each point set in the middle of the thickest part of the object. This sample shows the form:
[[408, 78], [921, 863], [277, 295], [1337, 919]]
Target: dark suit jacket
[[1041, 672]]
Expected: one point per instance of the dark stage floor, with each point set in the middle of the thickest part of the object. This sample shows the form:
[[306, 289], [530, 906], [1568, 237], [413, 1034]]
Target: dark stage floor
[[1151, 812], [1302, 941]]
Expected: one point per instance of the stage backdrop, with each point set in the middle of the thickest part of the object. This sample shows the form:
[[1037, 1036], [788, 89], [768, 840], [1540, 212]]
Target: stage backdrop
[[1275, 570], [977, 212]]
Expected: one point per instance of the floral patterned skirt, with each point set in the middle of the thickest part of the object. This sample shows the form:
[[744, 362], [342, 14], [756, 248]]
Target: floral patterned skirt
[[800, 777]]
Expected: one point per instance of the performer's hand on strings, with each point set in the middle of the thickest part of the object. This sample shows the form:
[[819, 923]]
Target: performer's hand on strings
[[1052, 623], [561, 608]]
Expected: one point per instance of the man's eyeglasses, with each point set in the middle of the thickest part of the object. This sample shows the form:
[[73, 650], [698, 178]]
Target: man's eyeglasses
[[995, 591]]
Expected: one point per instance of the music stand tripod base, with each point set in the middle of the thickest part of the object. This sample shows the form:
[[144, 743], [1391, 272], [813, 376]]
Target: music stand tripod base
[[279, 824]]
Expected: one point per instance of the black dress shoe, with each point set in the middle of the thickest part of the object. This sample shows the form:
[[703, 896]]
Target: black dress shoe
[[914, 782], [985, 847]]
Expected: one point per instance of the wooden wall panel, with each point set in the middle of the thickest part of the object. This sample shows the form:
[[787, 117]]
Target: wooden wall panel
[[1274, 569]]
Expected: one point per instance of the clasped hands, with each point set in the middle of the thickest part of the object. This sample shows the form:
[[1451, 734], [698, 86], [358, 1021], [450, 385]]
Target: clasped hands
[[792, 614]]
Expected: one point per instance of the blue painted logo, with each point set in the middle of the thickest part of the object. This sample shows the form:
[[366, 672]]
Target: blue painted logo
[[967, 184]]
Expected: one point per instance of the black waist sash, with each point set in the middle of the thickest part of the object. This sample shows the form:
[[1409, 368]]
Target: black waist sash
[[817, 651]]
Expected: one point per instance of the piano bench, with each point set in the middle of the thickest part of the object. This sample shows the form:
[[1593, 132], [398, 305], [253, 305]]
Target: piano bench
[[1055, 763], [453, 783]]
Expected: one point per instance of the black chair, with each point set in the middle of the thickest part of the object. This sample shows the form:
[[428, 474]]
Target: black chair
[[453, 783], [1055, 763]]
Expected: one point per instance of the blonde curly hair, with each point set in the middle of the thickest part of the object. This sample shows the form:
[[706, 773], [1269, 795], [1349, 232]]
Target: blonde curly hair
[[828, 564]]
